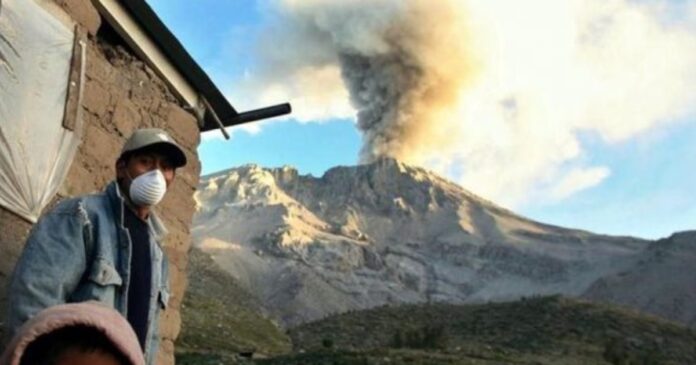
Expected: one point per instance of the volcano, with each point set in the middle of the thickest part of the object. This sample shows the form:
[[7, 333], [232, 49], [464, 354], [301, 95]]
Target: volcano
[[389, 233]]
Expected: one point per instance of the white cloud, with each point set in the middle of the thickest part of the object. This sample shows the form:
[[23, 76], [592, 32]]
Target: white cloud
[[578, 179], [553, 69], [316, 94], [248, 128]]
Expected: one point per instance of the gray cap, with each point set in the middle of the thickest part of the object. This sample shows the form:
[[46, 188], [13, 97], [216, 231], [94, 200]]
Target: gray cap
[[147, 137]]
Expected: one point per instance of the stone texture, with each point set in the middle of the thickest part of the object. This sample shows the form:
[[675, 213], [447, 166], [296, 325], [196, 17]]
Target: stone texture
[[14, 231], [186, 124], [166, 353], [82, 179], [190, 175], [126, 117], [98, 69], [171, 323], [96, 98], [178, 240], [100, 144], [176, 205], [179, 281], [82, 12]]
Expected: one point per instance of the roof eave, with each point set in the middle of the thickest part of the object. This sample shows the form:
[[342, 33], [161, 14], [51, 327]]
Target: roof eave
[[142, 29]]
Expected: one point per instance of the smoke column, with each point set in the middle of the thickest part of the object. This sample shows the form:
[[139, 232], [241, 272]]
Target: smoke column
[[494, 93], [399, 92], [401, 63]]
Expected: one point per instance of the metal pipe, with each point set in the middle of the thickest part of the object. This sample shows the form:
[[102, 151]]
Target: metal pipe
[[258, 114], [215, 117]]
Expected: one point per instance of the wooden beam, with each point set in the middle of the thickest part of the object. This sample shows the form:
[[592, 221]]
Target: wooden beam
[[75, 80]]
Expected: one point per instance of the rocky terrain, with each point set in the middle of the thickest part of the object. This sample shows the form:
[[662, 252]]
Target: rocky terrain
[[223, 324], [662, 282], [221, 318], [389, 233]]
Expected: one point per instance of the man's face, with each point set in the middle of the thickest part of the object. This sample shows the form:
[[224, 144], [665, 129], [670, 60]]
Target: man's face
[[74, 357], [141, 162]]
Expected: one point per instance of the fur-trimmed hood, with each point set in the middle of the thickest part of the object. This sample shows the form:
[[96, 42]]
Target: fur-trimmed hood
[[92, 314]]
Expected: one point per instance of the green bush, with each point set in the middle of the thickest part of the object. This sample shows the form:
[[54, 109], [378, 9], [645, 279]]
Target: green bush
[[327, 343], [428, 337]]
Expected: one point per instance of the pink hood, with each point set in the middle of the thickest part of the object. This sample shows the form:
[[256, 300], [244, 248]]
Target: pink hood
[[93, 314]]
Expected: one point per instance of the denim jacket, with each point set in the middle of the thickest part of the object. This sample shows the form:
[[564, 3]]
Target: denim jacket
[[80, 251]]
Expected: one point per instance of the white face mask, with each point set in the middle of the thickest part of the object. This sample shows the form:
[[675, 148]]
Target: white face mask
[[148, 188]]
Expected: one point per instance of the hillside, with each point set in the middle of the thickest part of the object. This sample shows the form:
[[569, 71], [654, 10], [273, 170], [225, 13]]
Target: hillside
[[390, 233], [541, 330], [220, 317], [665, 275]]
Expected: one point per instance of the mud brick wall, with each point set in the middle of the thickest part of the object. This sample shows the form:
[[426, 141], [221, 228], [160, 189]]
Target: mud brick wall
[[121, 94]]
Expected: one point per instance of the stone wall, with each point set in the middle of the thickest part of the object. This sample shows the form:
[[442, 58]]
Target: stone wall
[[121, 94]]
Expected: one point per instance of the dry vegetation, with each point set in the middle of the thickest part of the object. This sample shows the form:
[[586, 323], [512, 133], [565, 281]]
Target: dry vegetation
[[541, 330], [221, 320]]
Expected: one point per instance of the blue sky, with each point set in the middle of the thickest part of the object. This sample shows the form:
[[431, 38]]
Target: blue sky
[[649, 191]]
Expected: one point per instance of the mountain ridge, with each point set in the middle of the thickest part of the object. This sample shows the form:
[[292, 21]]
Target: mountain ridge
[[283, 171], [387, 232]]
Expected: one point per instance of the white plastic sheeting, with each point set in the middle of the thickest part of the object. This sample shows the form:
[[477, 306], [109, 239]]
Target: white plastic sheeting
[[35, 150]]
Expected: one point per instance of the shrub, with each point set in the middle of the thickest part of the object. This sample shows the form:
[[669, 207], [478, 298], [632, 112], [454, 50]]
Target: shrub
[[428, 337], [327, 343], [397, 339], [616, 352]]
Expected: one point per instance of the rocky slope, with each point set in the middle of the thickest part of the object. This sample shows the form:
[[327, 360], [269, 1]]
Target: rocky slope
[[221, 318], [385, 233], [662, 282]]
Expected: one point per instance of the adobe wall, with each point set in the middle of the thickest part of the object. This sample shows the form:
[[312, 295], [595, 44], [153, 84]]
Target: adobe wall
[[121, 94]]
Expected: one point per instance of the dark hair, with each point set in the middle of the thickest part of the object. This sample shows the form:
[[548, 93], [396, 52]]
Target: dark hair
[[48, 348], [161, 148]]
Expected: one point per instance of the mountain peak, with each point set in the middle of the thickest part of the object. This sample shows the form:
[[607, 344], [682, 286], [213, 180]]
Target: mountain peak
[[386, 166], [385, 232]]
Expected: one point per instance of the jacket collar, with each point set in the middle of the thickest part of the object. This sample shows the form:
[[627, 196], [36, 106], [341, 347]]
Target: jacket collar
[[118, 203]]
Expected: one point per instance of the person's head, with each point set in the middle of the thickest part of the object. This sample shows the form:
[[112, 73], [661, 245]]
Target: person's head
[[75, 334], [73, 345], [147, 165]]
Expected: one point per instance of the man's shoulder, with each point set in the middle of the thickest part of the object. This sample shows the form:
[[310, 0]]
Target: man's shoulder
[[86, 204]]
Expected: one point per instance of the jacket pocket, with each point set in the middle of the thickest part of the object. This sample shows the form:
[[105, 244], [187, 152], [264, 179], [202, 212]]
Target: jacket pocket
[[102, 283], [104, 273]]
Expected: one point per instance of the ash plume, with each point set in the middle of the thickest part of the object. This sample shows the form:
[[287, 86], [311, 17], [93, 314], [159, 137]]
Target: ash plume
[[425, 65], [492, 94], [398, 63]]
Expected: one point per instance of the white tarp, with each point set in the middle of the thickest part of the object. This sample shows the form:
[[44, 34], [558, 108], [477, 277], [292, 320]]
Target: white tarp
[[35, 150]]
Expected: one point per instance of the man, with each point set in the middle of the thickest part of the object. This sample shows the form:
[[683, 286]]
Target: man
[[105, 247]]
